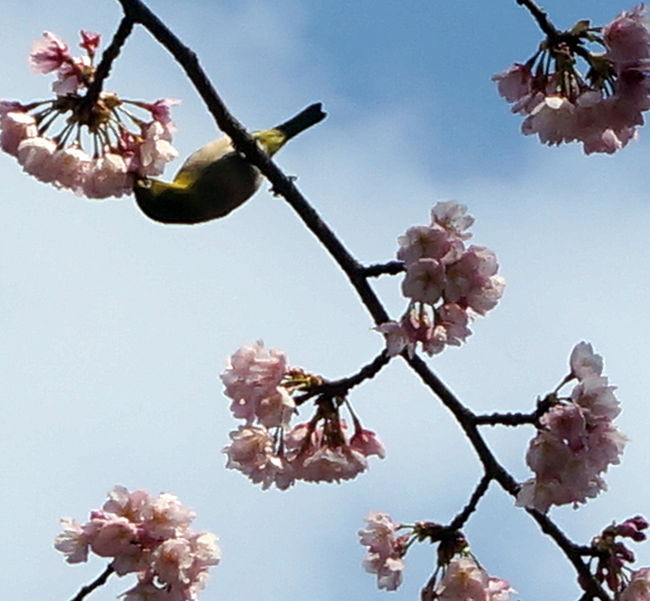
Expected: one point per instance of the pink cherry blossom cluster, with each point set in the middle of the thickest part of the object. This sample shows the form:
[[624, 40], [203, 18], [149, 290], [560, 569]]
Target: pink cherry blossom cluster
[[150, 537], [447, 283], [601, 110], [613, 555], [462, 578], [125, 145], [576, 439], [266, 448]]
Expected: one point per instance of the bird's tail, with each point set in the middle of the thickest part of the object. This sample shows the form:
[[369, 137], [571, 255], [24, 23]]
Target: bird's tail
[[304, 119]]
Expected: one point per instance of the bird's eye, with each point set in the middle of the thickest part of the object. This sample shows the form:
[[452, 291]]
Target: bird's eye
[[143, 183]]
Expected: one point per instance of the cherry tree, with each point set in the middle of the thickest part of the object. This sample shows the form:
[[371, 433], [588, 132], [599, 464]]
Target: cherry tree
[[586, 84]]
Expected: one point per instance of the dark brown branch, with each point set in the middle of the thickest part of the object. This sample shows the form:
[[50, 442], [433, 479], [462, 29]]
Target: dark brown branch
[[108, 57], [285, 187], [517, 419], [341, 387], [553, 34], [589, 551], [481, 488], [89, 588], [505, 419], [282, 184], [390, 268], [541, 17]]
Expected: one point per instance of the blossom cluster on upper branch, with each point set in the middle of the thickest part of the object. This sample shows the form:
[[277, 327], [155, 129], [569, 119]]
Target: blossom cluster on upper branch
[[95, 150], [601, 108]]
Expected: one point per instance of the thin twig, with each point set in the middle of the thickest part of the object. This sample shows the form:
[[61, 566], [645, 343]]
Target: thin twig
[[341, 387], [108, 57], [481, 488], [390, 268], [555, 35], [89, 588], [516, 419], [505, 419], [541, 17]]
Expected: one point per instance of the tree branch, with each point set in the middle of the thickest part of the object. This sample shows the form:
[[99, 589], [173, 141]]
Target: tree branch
[[342, 386], [481, 488], [492, 467], [89, 588], [505, 419], [108, 57], [541, 17], [517, 419], [390, 268], [282, 184]]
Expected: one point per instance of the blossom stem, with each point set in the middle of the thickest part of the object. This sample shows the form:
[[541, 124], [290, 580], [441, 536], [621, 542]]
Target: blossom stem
[[63, 136], [99, 581], [44, 124]]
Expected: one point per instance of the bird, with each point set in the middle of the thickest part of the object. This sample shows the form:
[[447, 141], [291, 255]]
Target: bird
[[216, 179]]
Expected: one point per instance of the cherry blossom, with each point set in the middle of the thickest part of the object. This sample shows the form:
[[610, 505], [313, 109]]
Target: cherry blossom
[[89, 42], [125, 146], [150, 537], [367, 443], [271, 452], [385, 549], [447, 284], [73, 541], [613, 556], [48, 53], [329, 463], [638, 588], [16, 127], [628, 38], [584, 362], [453, 218], [464, 580], [515, 82], [576, 441], [252, 452], [601, 109], [35, 156], [458, 577], [253, 381], [424, 281]]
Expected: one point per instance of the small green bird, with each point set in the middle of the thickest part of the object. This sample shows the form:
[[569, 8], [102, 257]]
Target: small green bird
[[216, 179]]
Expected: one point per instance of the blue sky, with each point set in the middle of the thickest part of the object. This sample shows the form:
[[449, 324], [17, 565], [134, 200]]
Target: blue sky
[[115, 328]]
